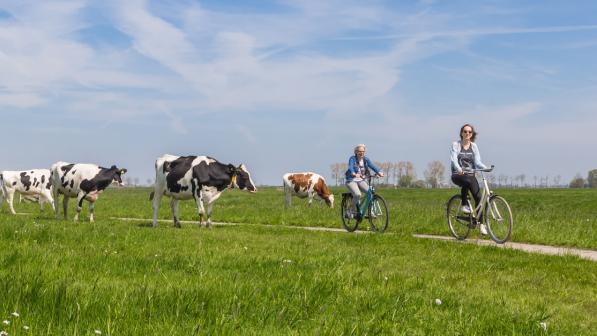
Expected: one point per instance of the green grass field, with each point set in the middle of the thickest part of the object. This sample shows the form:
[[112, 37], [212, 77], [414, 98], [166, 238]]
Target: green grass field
[[126, 278]]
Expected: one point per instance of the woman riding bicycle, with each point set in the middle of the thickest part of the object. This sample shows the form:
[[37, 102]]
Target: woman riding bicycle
[[465, 156], [358, 169]]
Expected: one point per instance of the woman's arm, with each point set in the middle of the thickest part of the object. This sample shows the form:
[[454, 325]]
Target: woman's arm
[[454, 156], [478, 163]]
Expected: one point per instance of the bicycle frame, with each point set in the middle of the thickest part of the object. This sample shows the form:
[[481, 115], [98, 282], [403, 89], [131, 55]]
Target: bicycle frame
[[487, 193], [362, 206]]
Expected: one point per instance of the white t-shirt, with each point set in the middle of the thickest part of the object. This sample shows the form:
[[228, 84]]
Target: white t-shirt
[[361, 165]]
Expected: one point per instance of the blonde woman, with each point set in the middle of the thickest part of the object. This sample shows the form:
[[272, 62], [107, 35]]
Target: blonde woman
[[358, 170]]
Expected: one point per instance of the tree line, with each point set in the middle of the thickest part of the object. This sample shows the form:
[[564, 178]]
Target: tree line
[[403, 174]]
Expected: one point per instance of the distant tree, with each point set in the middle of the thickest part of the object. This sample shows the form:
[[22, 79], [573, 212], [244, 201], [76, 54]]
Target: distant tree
[[592, 178], [535, 178], [419, 184], [577, 182], [434, 175], [406, 173], [522, 178], [556, 180], [335, 172]]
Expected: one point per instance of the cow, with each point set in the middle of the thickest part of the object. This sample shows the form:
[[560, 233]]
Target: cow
[[308, 185], [34, 185], [84, 181], [201, 178]]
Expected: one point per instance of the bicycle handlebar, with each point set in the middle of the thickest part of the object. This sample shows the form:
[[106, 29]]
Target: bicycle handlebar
[[485, 170]]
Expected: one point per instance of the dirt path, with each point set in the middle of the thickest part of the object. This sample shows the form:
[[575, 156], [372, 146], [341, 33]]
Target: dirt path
[[532, 248]]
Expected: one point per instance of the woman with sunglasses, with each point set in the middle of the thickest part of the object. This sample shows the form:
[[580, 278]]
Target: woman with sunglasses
[[465, 156], [358, 169]]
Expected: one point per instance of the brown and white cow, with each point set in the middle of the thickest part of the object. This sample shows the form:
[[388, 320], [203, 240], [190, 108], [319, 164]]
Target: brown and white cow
[[308, 185], [33, 185]]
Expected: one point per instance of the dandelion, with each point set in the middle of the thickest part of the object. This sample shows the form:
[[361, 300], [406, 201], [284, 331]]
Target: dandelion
[[15, 314], [97, 332], [438, 302], [25, 327], [543, 325], [6, 322]]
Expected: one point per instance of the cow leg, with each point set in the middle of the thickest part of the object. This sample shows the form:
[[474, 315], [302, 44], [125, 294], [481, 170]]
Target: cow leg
[[174, 207], [80, 198], [48, 198], [9, 199], [288, 195], [64, 207], [210, 203], [55, 203], [310, 195], [200, 207], [91, 207], [157, 198], [2, 192]]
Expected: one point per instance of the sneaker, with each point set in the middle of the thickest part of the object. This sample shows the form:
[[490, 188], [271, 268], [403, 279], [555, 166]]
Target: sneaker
[[483, 229], [466, 209]]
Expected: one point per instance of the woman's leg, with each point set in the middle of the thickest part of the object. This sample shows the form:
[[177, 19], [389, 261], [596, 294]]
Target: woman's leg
[[353, 187], [463, 182]]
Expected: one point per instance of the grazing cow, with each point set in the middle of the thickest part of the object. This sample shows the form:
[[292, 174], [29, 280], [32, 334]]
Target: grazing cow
[[34, 185], [83, 181], [306, 185], [201, 178]]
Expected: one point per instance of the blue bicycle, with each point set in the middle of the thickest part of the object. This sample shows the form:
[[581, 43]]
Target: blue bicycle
[[373, 207]]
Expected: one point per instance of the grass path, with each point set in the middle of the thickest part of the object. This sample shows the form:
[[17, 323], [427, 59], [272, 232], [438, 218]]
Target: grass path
[[532, 248]]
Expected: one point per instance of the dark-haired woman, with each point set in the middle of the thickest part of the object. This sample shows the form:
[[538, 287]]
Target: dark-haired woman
[[465, 156]]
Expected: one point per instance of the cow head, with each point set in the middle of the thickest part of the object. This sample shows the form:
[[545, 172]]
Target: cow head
[[329, 200], [117, 177], [243, 179]]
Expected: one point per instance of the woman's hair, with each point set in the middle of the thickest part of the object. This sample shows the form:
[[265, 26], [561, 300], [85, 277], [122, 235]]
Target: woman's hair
[[473, 137], [356, 148]]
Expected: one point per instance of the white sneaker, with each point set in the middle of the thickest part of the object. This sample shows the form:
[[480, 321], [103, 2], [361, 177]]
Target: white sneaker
[[483, 229], [466, 209]]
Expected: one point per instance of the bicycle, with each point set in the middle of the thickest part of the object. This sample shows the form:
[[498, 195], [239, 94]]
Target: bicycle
[[374, 208], [493, 208]]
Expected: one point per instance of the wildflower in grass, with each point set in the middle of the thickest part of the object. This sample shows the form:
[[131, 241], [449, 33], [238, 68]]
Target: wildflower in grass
[[6, 322], [3, 333], [246, 248], [97, 332], [25, 327], [543, 325], [288, 261], [385, 278], [438, 302], [15, 314]]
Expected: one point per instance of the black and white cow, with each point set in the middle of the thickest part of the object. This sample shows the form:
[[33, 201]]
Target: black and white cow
[[34, 184], [84, 181], [201, 178]]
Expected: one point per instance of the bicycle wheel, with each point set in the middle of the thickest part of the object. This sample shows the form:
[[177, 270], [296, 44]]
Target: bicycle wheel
[[460, 224], [378, 214], [349, 222], [498, 218]]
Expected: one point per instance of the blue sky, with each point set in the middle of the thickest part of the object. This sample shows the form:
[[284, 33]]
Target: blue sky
[[293, 85]]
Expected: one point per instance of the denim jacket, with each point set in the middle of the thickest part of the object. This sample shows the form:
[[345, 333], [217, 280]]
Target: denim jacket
[[353, 167], [455, 150]]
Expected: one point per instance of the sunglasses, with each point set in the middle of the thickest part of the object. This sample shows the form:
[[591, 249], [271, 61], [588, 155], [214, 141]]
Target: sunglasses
[[467, 132]]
